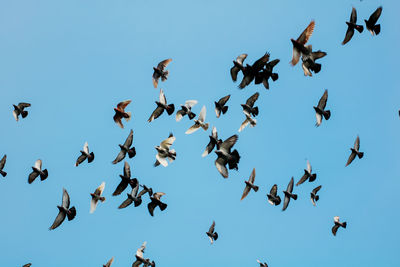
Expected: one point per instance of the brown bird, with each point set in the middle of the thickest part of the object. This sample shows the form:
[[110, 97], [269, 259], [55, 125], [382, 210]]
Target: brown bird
[[161, 106], [108, 264], [273, 197], [160, 72], [355, 152], [27, 265], [250, 184], [212, 235], [2, 163], [299, 43], [338, 224], [156, 201], [351, 26], [96, 196], [139, 255], [120, 113], [237, 66], [220, 106], [19, 110], [314, 196]]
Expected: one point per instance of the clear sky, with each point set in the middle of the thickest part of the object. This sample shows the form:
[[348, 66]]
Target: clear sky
[[75, 60]]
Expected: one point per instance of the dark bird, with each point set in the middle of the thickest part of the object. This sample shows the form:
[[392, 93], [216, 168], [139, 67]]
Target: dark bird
[[186, 110], [266, 73], [355, 151], [139, 255], [36, 171], [148, 263], [212, 235], [155, 201], [164, 152], [214, 141], [314, 196], [27, 265], [161, 106], [308, 60], [250, 184], [249, 72], [351, 25], [220, 106], [19, 110], [200, 122], [299, 43], [288, 194], [85, 154], [307, 175], [132, 197], [120, 113], [125, 180], [337, 225], [320, 109], [248, 107], [2, 163], [262, 264], [273, 197], [108, 264], [225, 156], [146, 190], [126, 148], [96, 196], [161, 72], [372, 27], [64, 211], [237, 66], [248, 120]]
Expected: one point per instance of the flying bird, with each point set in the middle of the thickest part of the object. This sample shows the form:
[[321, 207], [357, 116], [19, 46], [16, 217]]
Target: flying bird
[[19, 110], [147, 263], [212, 235], [351, 25], [273, 197], [266, 73], [126, 148], [308, 59], [300, 42], [108, 264], [262, 264], [355, 152], [85, 154], [96, 196], [125, 180], [237, 66], [120, 113], [220, 106], [161, 106], [214, 142], [37, 171], [139, 255], [146, 190], [250, 184], [161, 72], [132, 197], [250, 72], [186, 110], [64, 211], [2, 163], [372, 27], [320, 111], [200, 122], [27, 265], [314, 196], [164, 152], [307, 175], [338, 224], [225, 156], [248, 108], [248, 120], [288, 194], [155, 201]]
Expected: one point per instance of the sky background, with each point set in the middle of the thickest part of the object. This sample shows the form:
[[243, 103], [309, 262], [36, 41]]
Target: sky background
[[75, 60]]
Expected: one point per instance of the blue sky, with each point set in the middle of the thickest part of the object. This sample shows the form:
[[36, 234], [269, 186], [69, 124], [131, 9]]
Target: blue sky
[[75, 60]]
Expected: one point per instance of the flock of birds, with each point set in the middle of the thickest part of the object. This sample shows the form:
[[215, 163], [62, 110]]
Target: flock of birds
[[227, 159]]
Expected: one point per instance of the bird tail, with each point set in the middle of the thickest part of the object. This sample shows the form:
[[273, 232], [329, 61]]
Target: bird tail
[[173, 152], [360, 155], [44, 175], [102, 199], [191, 115], [254, 111], [164, 76], [274, 76], [132, 152], [137, 201], [327, 114], [316, 198], [224, 109], [359, 28], [24, 113], [312, 177], [294, 196], [129, 116], [255, 188], [163, 206], [3, 173], [205, 126], [71, 213], [317, 67], [376, 29], [215, 236], [170, 109], [91, 157], [344, 224]]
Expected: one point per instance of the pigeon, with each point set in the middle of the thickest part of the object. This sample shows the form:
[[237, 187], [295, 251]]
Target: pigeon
[[266, 73], [299, 43], [237, 66], [355, 152], [132, 197], [225, 156], [250, 184], [220, 106], [37, 171], [64, 211], [212, 235], [96, 196], [320, 111], [337, 225], [249, 72], [126, 148], [85, 155], [161, 106], [273, 197], [314, 196], [308, 59], [155, 201], [351, 25], [248, 107], [372, 27], [262, 264], [214, 141], [146, 190], [2, 163], [139, 255], [186, 110], [307, 175], [125, 180], [247, 121], [199, 122], [161, 72], [108, 264], [288, 195], [19, 110], [27, 265], [120, 113], [164, 152]]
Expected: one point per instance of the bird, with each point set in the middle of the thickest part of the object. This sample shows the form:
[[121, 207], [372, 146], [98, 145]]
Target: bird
[[248, 108], [37, 171], [220, 105], [288, 194], [248, 120], [314, 196], [273, 197], [307, 175], [64, 211], [125, 180], [225, 156], [2, 163], [85, 155], [300, 42], [250, 184], [126, 148], [199, 122], [132, 197], [155, 201], [120, 113], [351, 25], [161, 72], [139, 255], [266, 73], [147, 263], [262, 264], [96, 196], [355, 152], [337, 224], [212, 235], [161, 106], [320, 111], [27, 265], [164, 152], [19, 110], [186, 110], [237, 66], [371, 25], [108, 264], [308, 59], [214, 142], [250, 72], [145, 190]]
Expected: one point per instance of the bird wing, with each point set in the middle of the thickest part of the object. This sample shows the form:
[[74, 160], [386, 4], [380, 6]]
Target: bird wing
[[163, 161], [252, 176], [59, 219], [260, 63], [167, 143], [121, 155], [244, 124], [151, 206], [212, 227], [86, 148], [286, 202], [220, 164], [155, 78], [190, 103], [247, 79], [319, 119], [65, 199], [318, 54], [229, 143], [127, 170], [202, 115], [223, 100], [315, 190], [140, 250], [210, 146], [163, 64], [234, 72], [240, 59], [99, 190], [273, 63], [158, 195], [245, 191], [296, 56], [93, 204], [23, 105], [3, 162], [126, 203], [334, 229], [179, 114], [129, 139], [309, 169], [32, 176], [15, 115], [290, 186], [38, 164], [336, 219], [108, 264], [349, 35], [353, 16], [306, 71], [120, 188], [323, 100], [351, 158], [302, 180], [252, 99], [214, 133], [193, 128], [306, 34], [122, 105], [357, 143], [117, 119], [162, 98], [274, 190], [156, 113], [375, 16]]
